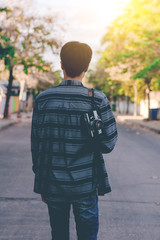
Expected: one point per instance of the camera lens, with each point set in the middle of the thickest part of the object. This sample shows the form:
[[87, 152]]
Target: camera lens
[[99, 124]]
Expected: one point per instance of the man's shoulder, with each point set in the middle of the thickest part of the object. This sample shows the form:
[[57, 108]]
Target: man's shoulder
[[45, 93], [57, 89], [99, 94]]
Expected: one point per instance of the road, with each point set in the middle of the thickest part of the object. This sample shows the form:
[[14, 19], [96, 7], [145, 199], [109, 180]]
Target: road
[[130, 212]]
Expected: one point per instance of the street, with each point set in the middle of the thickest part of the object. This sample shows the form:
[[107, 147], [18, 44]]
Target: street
[[130, 212]]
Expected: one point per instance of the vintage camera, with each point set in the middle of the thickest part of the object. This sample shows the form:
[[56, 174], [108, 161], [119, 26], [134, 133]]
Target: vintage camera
[[93, 124]]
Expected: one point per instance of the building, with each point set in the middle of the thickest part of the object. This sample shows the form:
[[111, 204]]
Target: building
[[154, 105]]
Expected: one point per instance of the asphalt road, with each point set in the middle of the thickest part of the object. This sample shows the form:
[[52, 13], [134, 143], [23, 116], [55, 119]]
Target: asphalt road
[[130, 212]]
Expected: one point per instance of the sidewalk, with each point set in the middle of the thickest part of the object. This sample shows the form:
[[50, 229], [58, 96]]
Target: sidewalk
[[5, 123], [139, 121]]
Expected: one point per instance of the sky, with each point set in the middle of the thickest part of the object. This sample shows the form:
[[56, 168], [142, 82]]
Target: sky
[[83, 20]]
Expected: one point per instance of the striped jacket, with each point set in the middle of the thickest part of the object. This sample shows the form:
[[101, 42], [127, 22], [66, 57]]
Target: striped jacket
[[65, 161]]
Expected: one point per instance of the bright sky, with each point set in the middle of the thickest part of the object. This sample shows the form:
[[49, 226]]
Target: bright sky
[[83, 20]]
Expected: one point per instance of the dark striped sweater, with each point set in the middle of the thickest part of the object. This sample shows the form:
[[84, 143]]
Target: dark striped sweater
[[65, 161]]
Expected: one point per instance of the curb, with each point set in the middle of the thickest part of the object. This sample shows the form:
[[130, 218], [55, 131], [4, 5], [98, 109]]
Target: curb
[[148, 128], [136, 124], [5, 126], [13, 120]]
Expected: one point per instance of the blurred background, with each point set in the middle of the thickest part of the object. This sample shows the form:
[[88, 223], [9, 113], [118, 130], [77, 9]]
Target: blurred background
[[125, 38]]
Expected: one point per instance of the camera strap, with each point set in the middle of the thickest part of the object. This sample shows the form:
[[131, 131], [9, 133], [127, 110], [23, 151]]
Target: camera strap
[[91, 95]]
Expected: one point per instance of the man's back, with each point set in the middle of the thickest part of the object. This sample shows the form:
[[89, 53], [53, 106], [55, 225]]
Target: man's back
[[63, 167]]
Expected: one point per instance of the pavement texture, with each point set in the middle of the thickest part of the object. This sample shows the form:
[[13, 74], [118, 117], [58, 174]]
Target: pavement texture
[[130, 212], [139, 122], [14, 119]]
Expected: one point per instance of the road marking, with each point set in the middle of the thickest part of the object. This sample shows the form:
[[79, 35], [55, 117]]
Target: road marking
[[4, 199], [128, 201]]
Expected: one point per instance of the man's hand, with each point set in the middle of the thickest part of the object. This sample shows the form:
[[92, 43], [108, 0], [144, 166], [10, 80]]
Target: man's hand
[[43, 198]]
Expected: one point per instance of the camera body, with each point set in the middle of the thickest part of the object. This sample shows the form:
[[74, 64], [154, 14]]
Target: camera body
[[93, 124]]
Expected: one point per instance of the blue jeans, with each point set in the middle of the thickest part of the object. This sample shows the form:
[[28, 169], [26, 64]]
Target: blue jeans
[[86, 218]]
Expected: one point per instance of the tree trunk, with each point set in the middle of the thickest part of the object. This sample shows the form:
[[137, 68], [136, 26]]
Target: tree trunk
[[9, 90], [135, 97], [118, 106], [127, 108], [30, 101], [148, 100]]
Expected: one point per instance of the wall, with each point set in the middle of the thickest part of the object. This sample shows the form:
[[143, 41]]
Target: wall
[[154, 103], [13, 104], [121, 107]]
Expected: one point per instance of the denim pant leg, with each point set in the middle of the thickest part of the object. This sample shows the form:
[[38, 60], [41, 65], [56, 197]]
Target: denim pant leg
[[59, 213], [86, 217]]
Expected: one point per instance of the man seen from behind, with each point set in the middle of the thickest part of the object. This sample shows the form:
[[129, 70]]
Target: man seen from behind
[[71, 127]]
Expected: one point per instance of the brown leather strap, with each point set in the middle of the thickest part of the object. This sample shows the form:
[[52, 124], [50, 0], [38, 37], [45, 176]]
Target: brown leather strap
[[90, 92]]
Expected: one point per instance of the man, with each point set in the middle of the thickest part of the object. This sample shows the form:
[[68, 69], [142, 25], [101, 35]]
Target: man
[[67, 162]]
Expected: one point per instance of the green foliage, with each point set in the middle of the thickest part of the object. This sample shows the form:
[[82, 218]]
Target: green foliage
[[141, 87], [5, 38], [57, 78], [133, 40], [5, 10], [128, 89], [7, 51], [155, 84], [144, 73], [14, 60], [101, 81], [25, 43], [122, 55], [24, 40], [39, 67]]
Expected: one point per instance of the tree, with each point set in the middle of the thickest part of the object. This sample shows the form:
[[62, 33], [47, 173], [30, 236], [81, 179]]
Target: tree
[[133, 40], [147, 74], [24, 40], [44, 80], [101, 81], [123, 72]]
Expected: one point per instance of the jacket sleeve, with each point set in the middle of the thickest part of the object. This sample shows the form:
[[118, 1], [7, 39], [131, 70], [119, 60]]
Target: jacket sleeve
[[107, 140], [34, 138]]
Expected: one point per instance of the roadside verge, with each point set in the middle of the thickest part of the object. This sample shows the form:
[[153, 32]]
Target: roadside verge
[[139, 121], [5, 123]]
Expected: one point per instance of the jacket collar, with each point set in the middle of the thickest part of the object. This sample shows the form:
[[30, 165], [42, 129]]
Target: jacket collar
[[71, 83]]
